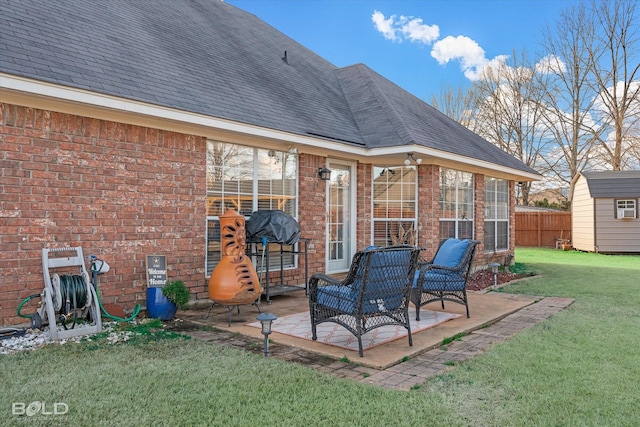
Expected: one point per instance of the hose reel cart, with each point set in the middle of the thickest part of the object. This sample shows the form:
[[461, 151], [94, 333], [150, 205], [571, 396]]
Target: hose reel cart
[[68, 297]]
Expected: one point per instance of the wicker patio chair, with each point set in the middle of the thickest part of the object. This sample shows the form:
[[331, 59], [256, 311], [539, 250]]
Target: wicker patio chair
[[444, 278], [375, 292]]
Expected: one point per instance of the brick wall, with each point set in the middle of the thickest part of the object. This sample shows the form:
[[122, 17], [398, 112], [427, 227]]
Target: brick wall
[[118, 191], [428, 209], [311, 214], [480, 258], [364, 191], [122, 192]]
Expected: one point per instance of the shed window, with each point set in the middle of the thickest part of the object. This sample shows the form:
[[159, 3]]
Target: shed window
[[626, 209]]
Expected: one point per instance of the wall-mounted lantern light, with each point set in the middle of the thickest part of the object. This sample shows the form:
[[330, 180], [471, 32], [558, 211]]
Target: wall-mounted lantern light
[[410, 157], [324, 174]]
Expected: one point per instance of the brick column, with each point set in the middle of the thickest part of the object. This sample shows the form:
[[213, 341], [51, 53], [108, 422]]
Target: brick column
[[312, 202], [363, 196], [429, 208], [478, 217]]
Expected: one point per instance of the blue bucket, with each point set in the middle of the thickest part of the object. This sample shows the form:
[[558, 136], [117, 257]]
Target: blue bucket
[[158, 306]]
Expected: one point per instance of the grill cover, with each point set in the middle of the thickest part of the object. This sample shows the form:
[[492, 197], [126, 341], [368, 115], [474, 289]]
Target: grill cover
[[276, 226]]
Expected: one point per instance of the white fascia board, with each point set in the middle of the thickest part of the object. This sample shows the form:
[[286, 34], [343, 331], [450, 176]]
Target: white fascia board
[[135, 112], [102, 102], [444, 158]]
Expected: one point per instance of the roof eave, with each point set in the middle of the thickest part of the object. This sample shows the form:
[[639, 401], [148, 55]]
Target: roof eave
[[38, 94]]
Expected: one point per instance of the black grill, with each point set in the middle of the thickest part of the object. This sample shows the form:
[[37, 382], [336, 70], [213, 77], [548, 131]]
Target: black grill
[[276, 226]]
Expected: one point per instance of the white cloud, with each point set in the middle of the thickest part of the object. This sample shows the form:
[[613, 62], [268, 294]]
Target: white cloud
[[416, 31], [603, 100], [385, 26], [551, 64], [495, 66], [409, 28], [461, 48], [472, 57]]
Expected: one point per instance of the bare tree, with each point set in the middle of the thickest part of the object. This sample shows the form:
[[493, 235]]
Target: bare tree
[[510, 113], [569, 98], [614, 57], [456, 103], [634, 150]]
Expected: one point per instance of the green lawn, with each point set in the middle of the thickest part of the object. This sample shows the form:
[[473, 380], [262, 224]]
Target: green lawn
[[579, 368]]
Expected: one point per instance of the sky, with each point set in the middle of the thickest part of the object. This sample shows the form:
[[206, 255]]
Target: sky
[[420, 45]]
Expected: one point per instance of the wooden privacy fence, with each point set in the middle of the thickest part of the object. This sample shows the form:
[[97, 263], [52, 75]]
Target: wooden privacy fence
[[541, 229]]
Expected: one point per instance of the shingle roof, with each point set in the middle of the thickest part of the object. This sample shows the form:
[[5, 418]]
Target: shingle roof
[[209, 57], [389, 116], [610, 184]]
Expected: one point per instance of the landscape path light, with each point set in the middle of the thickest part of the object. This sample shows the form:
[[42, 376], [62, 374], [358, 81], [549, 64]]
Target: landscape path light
[[494, 269], [266, 319]]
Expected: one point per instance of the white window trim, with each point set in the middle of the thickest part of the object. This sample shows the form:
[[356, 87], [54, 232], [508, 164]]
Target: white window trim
[[497, 220], [458, 218], [626, 209], [389, 220], [255, 176]]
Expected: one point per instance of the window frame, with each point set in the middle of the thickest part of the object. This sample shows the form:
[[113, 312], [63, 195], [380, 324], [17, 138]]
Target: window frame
[[385, 179], [617, 208], [499, 217], [467, 206], [255, 194]]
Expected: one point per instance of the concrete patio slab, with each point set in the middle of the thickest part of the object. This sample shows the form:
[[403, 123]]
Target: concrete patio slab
[[485, 309]]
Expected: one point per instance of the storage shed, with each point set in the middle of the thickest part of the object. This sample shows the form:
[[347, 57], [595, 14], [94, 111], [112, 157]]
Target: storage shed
[[605, 212]]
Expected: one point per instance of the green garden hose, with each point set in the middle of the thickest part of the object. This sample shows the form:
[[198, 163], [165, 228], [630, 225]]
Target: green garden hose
[[75, 285], [105, 313], [26, 300]]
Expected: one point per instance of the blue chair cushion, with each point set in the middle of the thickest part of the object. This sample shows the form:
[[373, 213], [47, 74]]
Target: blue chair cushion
[[377, 296], [451, 252], [342, 298], [440, 280]]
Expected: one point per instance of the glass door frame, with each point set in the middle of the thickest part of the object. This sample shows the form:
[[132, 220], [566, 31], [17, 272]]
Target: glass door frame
[[348, 233]]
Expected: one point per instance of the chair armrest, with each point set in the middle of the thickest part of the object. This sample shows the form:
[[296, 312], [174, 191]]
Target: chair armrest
[[319, 280], [423, 264], [429, 266]]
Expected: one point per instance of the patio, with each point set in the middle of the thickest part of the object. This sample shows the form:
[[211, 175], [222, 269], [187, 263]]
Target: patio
[[486, 309]]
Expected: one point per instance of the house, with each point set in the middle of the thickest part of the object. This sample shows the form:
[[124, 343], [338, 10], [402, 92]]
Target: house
[[128, 128], [549, 197], [604, 215]]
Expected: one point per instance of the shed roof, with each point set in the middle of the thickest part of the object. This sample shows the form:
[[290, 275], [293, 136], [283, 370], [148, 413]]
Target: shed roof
[[211, 58], [610, 184]]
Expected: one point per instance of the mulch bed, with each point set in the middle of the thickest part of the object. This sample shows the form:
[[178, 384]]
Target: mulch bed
[[484, 279]]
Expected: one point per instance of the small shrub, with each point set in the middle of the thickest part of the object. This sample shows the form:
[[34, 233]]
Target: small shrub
[[519, 268], [177, 292]]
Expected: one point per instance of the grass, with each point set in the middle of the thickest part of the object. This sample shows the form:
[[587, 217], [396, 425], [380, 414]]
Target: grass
[[580, 367], [520, 268], [456, 337]]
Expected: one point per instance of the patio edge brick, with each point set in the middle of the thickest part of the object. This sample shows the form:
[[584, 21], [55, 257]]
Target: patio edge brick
[[414, 372]]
